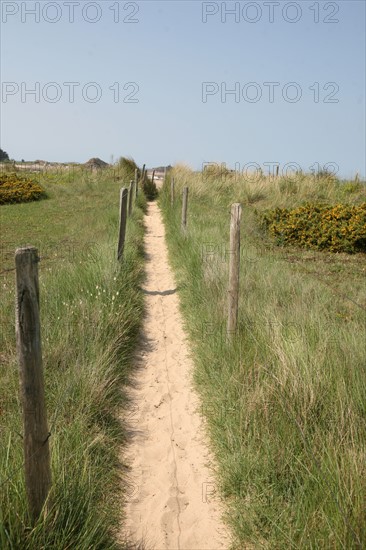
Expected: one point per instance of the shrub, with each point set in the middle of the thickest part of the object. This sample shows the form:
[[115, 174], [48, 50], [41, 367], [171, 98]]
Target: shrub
[[16, 188], [149, 188], [3, 155], [127, 167], [338, 228]]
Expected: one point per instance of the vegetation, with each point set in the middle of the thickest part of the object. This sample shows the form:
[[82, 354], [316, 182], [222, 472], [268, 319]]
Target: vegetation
[[149, 188], [91, 309], [126, 167], [15, 188], [285, 402], [339, 228], [3, 155]]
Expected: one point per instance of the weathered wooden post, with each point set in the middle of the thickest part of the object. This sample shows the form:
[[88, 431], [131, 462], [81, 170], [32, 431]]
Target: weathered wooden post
[[29, 350], [277, 170], [136, 181], [153, 177], [234, 270], [130, 198], [122, 221], [184, 208], [172, 192], [357, 178], [143, 175]]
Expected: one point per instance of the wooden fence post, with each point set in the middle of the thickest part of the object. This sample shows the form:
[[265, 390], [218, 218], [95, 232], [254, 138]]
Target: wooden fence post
[[184, 208], [234, 269], [153, 177], [172, 192], [122, 222], [130, 198], [277, 170], [136, 182], [29, 350], [143, 175]]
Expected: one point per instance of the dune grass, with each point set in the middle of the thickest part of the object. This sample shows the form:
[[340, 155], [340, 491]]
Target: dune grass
[[284, 404], [91, 310]]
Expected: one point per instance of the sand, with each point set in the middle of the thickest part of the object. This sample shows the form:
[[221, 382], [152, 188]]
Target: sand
[[171, 503]]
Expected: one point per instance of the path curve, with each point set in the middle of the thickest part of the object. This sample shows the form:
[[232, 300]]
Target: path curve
[[171, 504]]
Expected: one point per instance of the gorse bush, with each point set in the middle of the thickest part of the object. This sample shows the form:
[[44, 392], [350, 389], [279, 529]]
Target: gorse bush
[[15, 188], [338, 228]]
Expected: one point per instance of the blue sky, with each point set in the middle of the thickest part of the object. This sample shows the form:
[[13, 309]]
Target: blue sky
[[176, 109]]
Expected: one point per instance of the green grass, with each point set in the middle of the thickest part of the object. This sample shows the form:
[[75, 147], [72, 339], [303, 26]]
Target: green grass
[[285, 404], [91, 310]]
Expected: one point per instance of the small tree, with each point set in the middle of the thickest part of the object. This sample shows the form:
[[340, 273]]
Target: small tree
[[3, 155]]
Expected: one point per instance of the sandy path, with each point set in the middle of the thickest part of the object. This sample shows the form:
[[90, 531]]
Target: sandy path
[[171, 504]]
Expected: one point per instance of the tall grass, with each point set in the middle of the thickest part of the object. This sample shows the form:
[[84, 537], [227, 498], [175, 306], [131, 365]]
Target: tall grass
[[285, 403], [91, 309]]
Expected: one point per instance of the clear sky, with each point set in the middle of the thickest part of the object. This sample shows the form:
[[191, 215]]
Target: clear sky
[[151, 79]]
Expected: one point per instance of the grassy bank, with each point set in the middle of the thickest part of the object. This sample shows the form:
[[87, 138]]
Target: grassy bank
[[91, 309], [285, 403]]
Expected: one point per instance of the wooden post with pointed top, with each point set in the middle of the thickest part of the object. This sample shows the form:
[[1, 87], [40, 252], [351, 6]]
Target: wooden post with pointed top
[[29, 350], [234, 270], [122, 222]]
